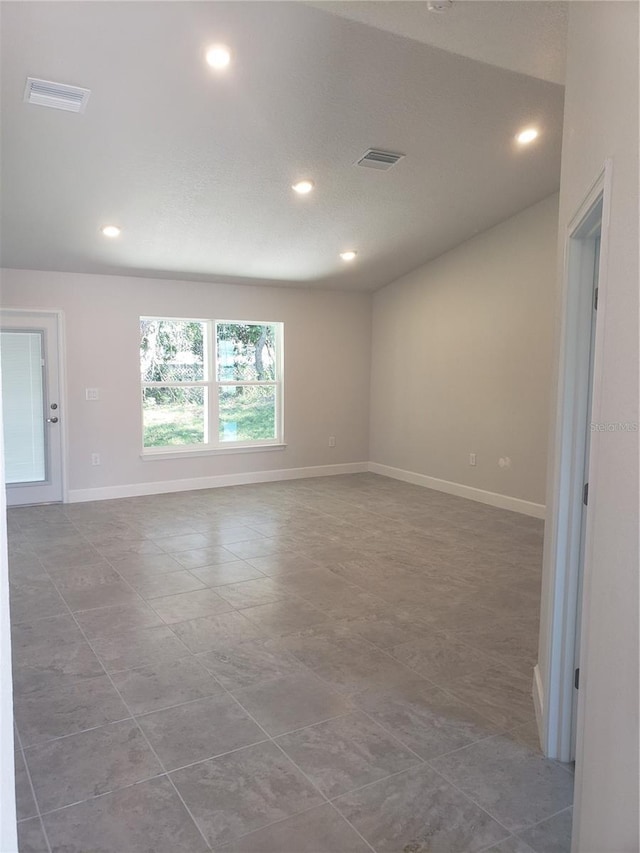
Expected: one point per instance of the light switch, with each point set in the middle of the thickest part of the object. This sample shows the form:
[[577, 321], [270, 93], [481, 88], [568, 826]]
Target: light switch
[[92, 394]]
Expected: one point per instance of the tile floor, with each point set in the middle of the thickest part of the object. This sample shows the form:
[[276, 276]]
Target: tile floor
[[336, 665]]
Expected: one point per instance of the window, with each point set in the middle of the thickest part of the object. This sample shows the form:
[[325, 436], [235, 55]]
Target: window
[[210, 385]]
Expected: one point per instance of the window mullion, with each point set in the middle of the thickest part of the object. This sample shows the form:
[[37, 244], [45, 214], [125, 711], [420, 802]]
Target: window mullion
[[249, 384], [182, 384], [212, 375]]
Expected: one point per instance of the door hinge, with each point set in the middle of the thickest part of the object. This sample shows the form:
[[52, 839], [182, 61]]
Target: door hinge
[[595, 300], [585, 494], [576, 678]]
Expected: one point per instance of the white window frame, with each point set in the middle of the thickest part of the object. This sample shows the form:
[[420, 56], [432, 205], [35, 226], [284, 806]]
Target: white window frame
[[212, 384]]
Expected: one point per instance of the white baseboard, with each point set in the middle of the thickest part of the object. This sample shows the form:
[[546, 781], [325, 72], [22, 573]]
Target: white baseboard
[[137, 489], [462, 491], [538, 705], [131, 490]]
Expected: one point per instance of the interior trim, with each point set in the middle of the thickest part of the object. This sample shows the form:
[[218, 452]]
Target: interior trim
[[132, 490], [462, 491]]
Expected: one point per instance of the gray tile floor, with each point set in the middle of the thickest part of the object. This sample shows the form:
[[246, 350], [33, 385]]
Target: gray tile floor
[[336, 665]]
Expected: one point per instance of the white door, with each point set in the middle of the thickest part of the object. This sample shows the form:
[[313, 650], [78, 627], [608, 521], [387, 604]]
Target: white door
[[585, 499], [29, 360], [568, 525]]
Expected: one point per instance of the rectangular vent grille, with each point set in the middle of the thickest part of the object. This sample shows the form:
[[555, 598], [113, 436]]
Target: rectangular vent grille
[[376, 159], [59, 96]]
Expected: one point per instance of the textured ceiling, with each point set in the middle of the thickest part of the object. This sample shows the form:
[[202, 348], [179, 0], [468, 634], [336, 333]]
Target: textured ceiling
[[196, 167], [526, 37]]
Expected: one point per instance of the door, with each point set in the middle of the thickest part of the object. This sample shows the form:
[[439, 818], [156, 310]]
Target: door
[[29, 360], [595, 236], [568, 525]]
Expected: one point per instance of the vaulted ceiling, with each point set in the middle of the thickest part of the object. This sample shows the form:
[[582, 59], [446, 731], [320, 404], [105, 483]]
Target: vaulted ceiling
[[196, 166], [526, 37]]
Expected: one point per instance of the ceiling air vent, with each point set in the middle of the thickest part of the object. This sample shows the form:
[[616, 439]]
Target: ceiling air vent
[[44, 93], [376, 159]]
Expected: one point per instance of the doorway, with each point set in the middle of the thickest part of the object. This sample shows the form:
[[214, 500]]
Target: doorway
[[590, 237], [31, 400], [567, 538]]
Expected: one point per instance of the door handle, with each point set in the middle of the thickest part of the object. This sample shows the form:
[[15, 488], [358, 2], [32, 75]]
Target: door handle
[[52, 420]]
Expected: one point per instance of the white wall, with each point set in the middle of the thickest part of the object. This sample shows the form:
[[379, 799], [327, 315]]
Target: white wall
[[461, 360], [601, 121], [327, 345]]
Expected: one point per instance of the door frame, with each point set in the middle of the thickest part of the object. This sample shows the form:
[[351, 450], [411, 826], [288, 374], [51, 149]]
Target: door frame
[[554, 700], [58, 317]]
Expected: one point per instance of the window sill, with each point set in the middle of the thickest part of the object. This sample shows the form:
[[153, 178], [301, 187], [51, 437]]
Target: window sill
[[156, 455]]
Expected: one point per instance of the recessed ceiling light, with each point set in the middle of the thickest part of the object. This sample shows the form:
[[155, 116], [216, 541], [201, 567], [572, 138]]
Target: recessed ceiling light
[[303, 187], [218, 56], [527, 136], [111, 231], [348, 256]]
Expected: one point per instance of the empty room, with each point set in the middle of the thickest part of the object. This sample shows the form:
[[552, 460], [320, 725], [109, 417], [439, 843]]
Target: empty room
[[319, 405]]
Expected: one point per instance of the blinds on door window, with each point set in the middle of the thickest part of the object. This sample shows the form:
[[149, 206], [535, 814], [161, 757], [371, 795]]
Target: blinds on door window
[[23, 404]]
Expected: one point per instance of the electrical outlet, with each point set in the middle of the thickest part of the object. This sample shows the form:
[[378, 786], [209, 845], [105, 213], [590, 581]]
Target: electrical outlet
[[472, 459], [95, 458], [332, 441], [504, 462], [92, 394]]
